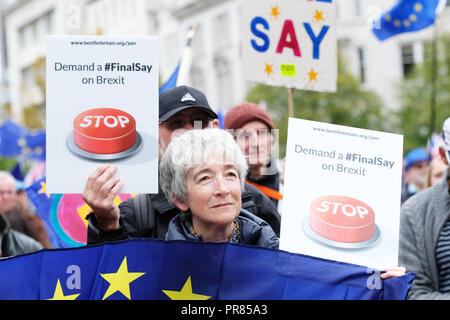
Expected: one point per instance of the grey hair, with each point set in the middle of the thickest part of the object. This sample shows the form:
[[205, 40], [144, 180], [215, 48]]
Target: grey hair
[[6, 176], [193, 148]]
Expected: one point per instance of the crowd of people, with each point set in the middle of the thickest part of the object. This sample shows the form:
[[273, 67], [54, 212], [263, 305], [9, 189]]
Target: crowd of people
[[226, 186]]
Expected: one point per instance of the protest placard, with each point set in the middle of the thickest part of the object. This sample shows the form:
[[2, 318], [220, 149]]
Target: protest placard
[[102, 107], [290, 43], [342, 193]]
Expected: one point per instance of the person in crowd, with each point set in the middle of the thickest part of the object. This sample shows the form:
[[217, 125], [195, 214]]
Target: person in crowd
[[181, 109], [202, 172], [13, 242], [416, 171], [15, 210], [436, 171], [425, 232], [254, 132]]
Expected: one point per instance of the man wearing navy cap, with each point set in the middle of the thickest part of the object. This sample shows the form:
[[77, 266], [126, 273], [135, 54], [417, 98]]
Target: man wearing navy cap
[[148, 215], [416, 171], [424, 234]]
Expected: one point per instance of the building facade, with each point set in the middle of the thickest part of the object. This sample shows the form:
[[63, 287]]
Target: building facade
[[216, 49]]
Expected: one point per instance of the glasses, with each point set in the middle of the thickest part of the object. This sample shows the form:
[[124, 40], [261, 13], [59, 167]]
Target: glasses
[[197, 122]]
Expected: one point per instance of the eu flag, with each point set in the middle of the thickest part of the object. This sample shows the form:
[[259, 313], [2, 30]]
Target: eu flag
[[172, 81], [406, 16], [16, 140], [44, 202], [147, 269]]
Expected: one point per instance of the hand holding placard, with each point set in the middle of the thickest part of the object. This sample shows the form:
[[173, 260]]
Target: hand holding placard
[[101, 189]]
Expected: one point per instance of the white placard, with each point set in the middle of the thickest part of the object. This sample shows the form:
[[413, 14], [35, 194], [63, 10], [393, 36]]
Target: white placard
[[290, 43], [85, 73], [342, 193]]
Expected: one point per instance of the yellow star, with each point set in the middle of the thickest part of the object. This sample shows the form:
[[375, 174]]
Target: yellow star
[[120, 281], [275, 12], [319, 16], [44, 189], [59, 294], [268, 69], [185, 293], [418, 7], [312, 75]]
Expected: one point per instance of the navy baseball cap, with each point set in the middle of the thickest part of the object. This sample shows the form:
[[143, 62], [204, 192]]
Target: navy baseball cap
[[176, 99]]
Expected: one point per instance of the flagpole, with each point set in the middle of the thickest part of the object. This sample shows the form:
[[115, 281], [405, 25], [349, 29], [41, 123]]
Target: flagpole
[[186, 58], [291, 102]]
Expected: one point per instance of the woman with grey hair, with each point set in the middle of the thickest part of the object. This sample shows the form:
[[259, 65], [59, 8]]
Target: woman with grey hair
[[202, 172]]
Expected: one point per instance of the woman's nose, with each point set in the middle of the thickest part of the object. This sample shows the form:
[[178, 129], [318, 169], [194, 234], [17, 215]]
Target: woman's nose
[[221, 187]]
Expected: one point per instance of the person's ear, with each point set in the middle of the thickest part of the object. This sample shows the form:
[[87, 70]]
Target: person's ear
[[215, 123], [443, 156], [180, 204]]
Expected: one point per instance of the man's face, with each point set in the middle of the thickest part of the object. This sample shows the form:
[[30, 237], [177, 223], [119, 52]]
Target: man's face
[[255, 141], [187, 119], [8, 196]]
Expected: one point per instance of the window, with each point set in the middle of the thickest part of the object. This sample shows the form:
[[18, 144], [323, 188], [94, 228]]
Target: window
[[357, 5], [221, 29], [26, 35], [407, 59], [197, 41], [224, 82], [28, 78], [37, 29], [197, 77]]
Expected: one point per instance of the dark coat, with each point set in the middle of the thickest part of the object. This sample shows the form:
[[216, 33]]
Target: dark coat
[[253, 231]]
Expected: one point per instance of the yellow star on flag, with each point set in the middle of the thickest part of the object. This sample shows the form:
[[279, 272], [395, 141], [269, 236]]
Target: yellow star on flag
[[312, 75], [44, 189], [275, 12], [268, 69], [319, 16], [120, 281], [418, 7], [59, 294], [185, 293]]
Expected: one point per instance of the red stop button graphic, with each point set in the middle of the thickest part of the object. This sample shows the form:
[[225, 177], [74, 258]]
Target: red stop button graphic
[[104, 131], [342, 219]]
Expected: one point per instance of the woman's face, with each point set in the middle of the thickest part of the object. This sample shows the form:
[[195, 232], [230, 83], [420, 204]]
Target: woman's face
[[213, 193]]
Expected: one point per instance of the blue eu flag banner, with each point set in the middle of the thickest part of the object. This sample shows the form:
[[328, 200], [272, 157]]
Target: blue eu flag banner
[[16, 140], [179, 270], [406, 16], [11, 139], [172, 81], [220, 117]]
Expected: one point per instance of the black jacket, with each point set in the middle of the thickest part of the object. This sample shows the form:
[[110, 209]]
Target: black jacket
[[253, 231], [13, 243], [159, 211]]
